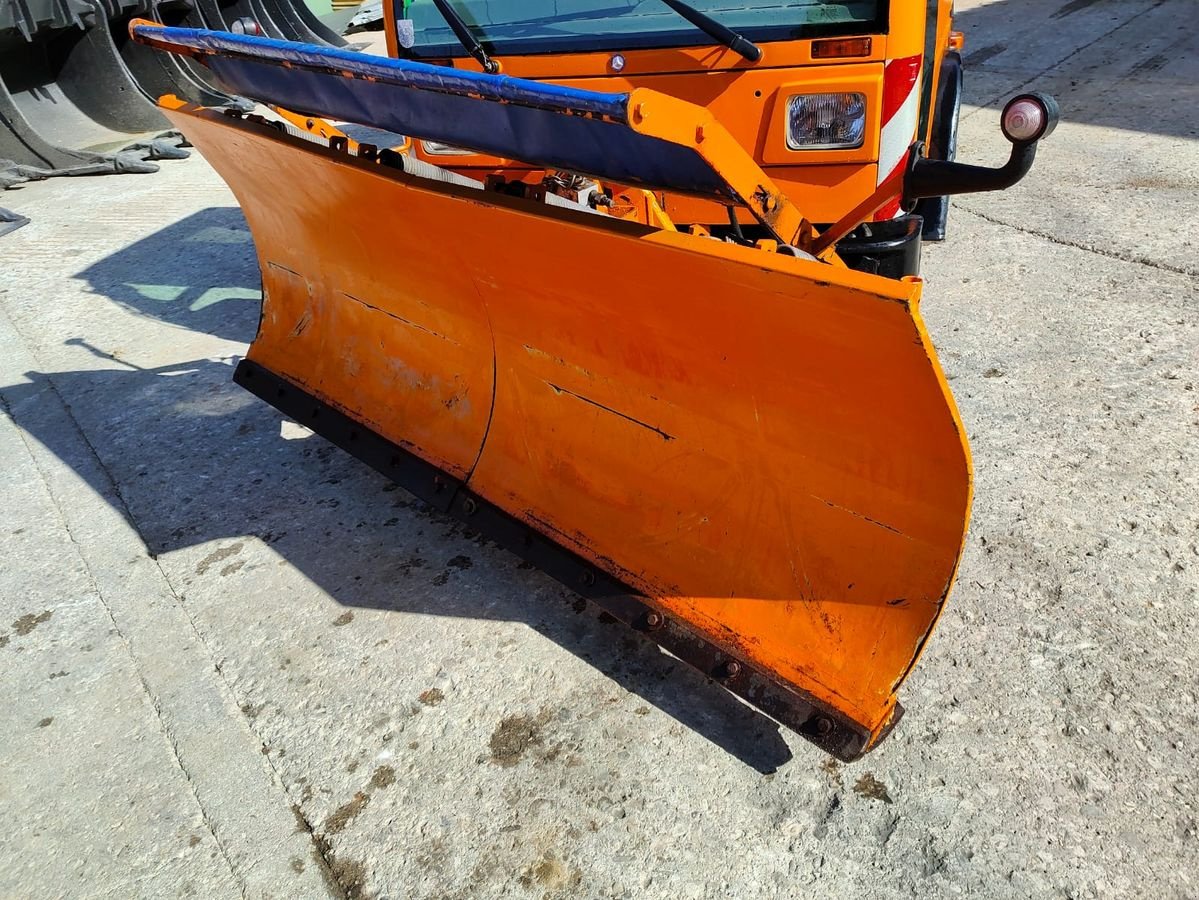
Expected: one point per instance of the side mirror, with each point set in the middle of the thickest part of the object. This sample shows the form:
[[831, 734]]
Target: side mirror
[[1025, 120]]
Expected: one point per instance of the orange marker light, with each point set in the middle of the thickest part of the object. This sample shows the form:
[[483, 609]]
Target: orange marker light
[[841, 48], [957, 40]]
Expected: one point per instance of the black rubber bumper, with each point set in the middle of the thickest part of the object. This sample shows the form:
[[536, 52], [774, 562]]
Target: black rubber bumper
[[890, 249]]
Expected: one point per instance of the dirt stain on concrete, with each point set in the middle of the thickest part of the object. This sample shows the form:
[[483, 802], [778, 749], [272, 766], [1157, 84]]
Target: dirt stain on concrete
[[458, 562], [346, 813], [217, 556], [344, 619], [343, 877], [29, 621], [1072, 7], [297, 865], [384, 776], [870, 787], [550, 873], [414, 562], [351, 877], [431, 697], [514, 736], [232, 567], [45, 722], [250, 711], [301, 822], [981, 55]]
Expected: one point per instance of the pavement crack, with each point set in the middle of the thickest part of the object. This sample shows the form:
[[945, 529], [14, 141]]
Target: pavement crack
[[112, 495], [323, 852], [1078, 245], [125, 642]]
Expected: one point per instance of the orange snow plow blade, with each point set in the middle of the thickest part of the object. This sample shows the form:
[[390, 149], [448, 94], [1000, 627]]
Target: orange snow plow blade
[[752, 457]]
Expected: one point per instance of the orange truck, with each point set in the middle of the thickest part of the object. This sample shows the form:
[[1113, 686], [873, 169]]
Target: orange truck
[[631, 287]]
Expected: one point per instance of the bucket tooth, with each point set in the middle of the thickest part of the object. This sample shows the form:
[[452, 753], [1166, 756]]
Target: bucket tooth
[[10, 221]]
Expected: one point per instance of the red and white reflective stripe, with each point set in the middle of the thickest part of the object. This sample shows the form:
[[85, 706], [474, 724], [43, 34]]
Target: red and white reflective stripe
[[901, 114]]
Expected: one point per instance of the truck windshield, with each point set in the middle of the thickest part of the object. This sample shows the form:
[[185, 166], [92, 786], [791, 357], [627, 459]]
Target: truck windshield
[[574, 26]]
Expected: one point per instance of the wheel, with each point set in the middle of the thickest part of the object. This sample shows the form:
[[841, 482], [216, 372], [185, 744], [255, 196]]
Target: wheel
[[944, 143]]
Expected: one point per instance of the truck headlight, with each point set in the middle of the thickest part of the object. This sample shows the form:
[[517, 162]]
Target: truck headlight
[[826, 121]]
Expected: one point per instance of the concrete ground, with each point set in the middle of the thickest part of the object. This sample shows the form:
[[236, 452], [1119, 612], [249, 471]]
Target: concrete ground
[[236, 662]]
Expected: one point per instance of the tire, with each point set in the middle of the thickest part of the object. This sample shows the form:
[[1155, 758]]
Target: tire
[[944, 143]]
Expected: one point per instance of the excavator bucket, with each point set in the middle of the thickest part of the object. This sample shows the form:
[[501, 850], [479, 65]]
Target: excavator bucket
[[77, 93], [748, 453]]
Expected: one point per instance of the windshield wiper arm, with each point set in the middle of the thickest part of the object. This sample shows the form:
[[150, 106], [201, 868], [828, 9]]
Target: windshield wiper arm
[[465, 38], [713, 29]]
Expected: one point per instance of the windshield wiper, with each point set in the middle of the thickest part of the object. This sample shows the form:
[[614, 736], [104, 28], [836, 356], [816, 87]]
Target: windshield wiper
[[713, 29], [466, 39]]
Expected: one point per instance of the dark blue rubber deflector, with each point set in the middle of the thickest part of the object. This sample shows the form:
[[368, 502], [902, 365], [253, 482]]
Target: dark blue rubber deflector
[[544, 125]]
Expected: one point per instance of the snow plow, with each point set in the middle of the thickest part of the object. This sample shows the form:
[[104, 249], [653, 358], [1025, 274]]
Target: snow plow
[[728, 439]]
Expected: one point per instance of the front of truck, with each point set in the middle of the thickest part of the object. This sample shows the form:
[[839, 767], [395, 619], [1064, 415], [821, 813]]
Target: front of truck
[[827, 97]]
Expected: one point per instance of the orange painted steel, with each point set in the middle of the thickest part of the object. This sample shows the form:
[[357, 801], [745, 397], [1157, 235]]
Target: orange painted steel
[[679, 122], [763, 446], [320, 128]]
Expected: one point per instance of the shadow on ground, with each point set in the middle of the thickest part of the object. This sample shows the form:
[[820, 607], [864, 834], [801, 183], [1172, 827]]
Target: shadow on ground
[[196, 459], [1133, 66], [189, 274]]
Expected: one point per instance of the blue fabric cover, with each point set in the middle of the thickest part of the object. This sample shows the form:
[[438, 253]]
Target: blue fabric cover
[[540, 124]]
